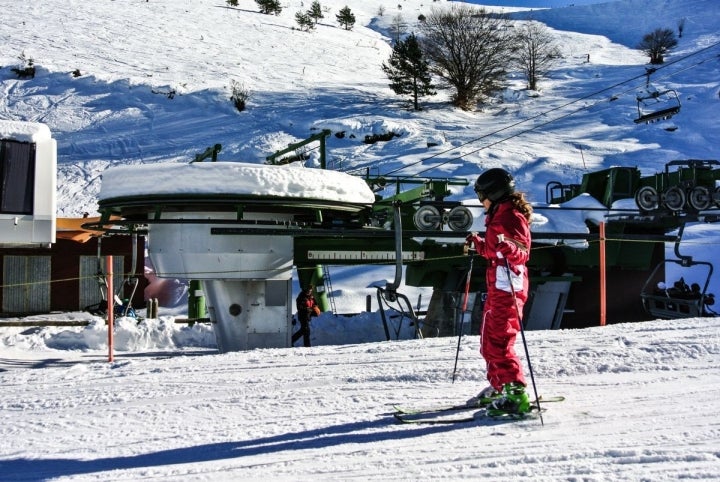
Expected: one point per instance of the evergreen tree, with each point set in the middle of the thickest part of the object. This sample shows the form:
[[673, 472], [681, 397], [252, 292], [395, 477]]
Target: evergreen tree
[[346, 18], [408, 71], [304, 21], [315, 12], [269, 6]]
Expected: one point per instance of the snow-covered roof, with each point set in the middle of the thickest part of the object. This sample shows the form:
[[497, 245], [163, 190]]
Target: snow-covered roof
[[235, 178], [24, 131]]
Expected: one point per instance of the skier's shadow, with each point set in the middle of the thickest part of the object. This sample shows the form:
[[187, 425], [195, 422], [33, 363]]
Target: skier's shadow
[[347, 433]]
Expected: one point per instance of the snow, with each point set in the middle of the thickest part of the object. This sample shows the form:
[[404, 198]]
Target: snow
[[154, 91], [24, 131], [638, 406], [234, 178]]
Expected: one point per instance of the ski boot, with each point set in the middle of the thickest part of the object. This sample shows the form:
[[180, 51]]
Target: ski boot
[[513, 401], [486, 396]]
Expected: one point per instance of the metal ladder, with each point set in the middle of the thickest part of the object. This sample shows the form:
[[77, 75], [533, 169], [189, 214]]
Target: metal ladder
[[328, 288]]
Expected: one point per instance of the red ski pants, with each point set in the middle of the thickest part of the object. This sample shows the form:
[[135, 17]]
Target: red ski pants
[[497, 338]]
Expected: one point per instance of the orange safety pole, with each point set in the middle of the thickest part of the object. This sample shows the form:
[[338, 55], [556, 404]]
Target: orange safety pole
[[110, 304], [603, 284]]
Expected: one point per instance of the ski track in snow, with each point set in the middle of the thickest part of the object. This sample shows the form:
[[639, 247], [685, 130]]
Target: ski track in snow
[[637, 408]]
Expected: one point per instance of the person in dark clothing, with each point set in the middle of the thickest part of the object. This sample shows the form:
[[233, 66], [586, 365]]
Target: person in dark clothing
[[307, 307]]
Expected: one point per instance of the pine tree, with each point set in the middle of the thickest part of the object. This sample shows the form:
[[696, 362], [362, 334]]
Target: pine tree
[[315, 12], [408, 71], [269, 6], [346, 18], [304, 21]]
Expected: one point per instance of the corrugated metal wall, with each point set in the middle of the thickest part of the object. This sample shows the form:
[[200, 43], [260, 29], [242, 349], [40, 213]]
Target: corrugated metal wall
[[90, 284], [26, 284], [63, 276]]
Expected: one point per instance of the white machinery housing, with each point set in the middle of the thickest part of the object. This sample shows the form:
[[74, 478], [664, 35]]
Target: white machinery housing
[[28, 171]]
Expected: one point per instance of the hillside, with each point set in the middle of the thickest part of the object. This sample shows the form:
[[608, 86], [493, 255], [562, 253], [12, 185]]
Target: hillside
[[133, 55]]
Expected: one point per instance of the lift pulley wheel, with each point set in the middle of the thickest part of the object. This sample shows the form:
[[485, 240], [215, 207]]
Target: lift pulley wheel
[[460, 219], [673, 198], [700, 198], [647, 198], [427, 218]]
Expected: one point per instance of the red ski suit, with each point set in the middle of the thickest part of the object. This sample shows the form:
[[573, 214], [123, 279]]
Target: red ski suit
[[500, 317]]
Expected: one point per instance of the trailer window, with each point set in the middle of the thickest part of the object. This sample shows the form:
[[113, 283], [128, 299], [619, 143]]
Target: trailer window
[[17, 177]]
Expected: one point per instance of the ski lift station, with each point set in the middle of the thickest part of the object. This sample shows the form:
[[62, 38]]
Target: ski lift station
[[28, 190], [50, 264], [243, 231]]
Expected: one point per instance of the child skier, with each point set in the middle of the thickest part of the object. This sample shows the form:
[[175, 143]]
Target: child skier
[[506, 247]]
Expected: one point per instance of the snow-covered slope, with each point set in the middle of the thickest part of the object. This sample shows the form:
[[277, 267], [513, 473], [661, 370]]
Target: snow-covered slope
[[156, 79], [639, 406]]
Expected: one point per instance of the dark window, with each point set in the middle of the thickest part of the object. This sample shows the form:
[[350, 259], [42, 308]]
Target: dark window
[[17, 177]]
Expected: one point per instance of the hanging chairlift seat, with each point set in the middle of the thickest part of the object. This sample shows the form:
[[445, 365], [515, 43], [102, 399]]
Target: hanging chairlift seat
[[678, 301], [667, 101]]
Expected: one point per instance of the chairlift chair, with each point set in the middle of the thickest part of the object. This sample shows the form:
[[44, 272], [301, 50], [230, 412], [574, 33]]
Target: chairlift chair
[[676, 301], [679, 300], [657, 106]]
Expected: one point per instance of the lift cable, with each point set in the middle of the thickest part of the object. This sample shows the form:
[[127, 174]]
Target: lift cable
[[545, 113]]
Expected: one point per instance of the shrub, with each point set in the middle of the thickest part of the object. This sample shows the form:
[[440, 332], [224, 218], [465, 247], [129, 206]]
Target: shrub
[[240, 95], [27, 70], [372, 139]]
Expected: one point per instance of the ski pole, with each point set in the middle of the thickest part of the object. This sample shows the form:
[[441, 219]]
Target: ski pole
[[522, 334], [462, 315]]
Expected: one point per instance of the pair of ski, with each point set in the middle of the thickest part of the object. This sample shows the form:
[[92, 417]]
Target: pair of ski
[[464, 413]]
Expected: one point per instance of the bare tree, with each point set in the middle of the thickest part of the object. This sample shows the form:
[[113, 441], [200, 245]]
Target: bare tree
[[468, 49], [534, 51], [656, 44], [398, 27], [681, 27]]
